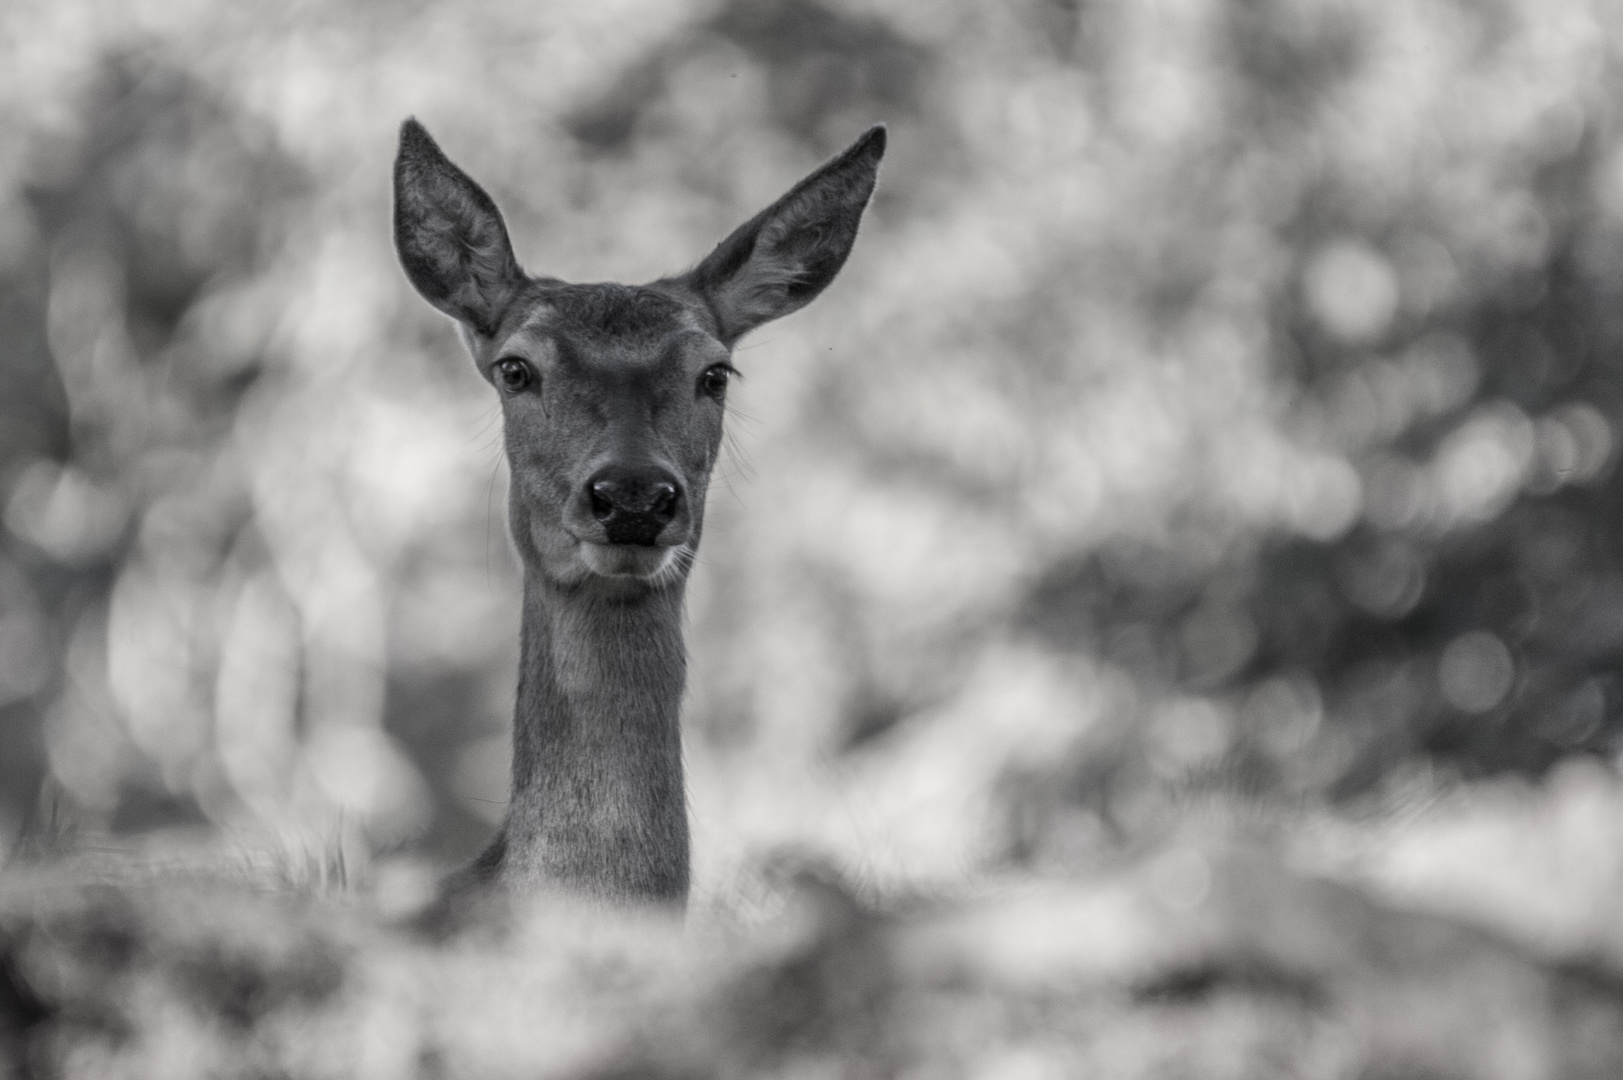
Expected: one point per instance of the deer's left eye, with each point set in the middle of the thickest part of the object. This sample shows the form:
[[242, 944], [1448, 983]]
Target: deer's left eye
[[513, 374], [714, 380]]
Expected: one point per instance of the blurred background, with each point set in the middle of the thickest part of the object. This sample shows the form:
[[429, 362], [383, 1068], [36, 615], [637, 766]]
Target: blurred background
[[1216, 422]]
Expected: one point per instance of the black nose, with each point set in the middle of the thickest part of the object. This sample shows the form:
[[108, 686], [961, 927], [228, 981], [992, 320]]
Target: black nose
[[633, 505]]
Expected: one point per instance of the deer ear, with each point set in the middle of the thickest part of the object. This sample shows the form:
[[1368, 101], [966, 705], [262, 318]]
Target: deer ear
[[779, 260], [449, 234]]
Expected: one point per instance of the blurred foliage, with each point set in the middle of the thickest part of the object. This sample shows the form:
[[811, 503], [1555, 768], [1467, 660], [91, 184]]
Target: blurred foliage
[[1199, 963], [1220, 411]]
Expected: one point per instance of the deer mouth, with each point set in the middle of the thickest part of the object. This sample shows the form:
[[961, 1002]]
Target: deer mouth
[[629, 560]]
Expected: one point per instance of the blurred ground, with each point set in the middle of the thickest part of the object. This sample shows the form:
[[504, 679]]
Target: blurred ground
[[1204, 962], [1214, 429]]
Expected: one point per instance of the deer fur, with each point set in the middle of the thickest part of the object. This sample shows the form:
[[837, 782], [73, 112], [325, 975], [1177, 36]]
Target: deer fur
[[612, 401]]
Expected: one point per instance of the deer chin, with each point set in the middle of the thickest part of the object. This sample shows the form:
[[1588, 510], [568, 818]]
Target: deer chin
[[626, 560]]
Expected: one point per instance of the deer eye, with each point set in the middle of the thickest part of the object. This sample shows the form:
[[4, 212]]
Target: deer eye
[[513, 374], [714, 380]]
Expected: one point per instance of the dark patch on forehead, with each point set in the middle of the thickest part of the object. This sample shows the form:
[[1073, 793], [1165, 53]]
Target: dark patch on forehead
[[609, 310]]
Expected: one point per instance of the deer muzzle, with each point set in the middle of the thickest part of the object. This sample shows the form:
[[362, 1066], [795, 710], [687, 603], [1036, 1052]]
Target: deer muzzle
[[636, 506]]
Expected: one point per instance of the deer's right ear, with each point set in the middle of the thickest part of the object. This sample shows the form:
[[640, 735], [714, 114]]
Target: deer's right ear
[[450, 236]]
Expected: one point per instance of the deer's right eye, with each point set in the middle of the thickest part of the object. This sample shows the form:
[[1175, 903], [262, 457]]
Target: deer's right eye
[[513, 374]]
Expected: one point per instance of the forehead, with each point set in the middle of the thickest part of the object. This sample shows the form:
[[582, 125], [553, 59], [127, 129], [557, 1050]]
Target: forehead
[[617, 312], [606, 321]]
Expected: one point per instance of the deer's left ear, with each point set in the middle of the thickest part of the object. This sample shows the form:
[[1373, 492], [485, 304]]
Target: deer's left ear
[[779, 260], [451, 239]]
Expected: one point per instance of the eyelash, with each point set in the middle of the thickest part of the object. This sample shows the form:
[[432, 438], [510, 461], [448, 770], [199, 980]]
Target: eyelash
[[727, 372], [513, 374]]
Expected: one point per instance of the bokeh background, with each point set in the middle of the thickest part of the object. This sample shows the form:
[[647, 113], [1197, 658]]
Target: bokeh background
[[1215, 426]]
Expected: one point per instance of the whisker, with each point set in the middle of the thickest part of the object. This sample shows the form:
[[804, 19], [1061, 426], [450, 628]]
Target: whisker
[[490, 494], [678, 563]]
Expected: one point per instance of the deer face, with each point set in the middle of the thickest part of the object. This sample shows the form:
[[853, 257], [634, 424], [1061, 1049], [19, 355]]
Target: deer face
[[612, 395], [612, 402]]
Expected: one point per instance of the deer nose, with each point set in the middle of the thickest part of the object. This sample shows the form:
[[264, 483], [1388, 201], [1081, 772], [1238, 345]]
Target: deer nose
[[633, 505]]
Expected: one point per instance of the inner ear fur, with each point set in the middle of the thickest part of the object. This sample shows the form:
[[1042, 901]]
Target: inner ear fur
[[779, 260], [449, 235]]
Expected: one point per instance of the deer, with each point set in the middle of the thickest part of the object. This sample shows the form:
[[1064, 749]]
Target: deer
[[612, 399]]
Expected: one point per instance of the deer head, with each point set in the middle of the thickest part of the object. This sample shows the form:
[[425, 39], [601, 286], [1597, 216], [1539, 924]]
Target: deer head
[[612, 395]]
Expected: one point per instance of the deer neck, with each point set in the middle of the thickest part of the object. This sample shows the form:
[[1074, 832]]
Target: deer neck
[[598, 803]]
